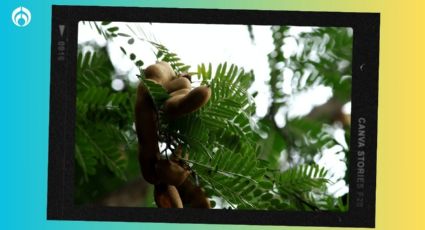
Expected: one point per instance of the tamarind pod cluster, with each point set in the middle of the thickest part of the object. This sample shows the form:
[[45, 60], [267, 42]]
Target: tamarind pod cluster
[[146, 134], [167, 196], [193, 195], [183, 100], [170, 172]]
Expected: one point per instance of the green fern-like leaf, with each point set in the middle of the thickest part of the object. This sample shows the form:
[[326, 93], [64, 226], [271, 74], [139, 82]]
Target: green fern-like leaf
[[100, 144], [93, 70], [220, 138], [164, 54], [303, 178], [157, 92], [298, 184], [101, 124]]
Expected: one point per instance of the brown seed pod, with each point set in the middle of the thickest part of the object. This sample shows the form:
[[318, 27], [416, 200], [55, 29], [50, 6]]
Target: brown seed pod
[[183, 104], [170, 172], [199, 200], [147, 136], [193, 195], [176, 84], [186, 75], [167, 196], [160, 72], [180, 92]]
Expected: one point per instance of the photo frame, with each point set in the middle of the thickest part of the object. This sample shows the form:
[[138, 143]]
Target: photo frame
[[362, 157]]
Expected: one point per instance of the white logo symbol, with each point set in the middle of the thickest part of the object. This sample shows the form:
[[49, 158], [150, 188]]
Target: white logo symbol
[[21, 16]]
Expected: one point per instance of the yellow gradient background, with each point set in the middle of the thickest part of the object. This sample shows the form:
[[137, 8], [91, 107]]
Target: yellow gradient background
[[401, 129]]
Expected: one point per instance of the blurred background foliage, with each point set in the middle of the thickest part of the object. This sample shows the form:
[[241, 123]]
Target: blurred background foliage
[[283, 155]]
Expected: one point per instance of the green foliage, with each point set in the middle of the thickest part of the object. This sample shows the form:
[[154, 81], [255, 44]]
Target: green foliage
[[109, 32], [221, 140], [158, 93], [104, 138], [323, 58], [219, 137], [301, 179], [165, 55], [227, 155]]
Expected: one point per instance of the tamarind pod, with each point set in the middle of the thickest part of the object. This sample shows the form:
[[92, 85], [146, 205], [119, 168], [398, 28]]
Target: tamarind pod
[[176, 84], [178, 157], [169, 172], [181, 105], [184, 191], [180, 92], [167, 196], [199, 200], [171, 106], [147, 167], [145, 120], [193, 195], [186, 75], [178, 153], [161, 72]]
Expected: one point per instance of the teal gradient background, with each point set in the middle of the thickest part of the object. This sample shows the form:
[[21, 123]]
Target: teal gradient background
[[24, 95]]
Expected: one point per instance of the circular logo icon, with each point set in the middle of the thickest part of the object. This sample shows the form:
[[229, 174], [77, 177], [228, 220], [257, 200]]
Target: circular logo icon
[[21, 16]]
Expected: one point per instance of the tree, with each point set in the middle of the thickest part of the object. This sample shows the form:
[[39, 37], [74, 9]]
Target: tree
[[229, 155]]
